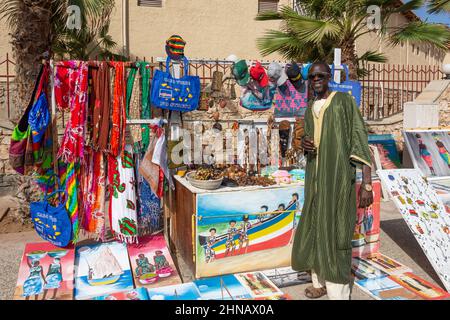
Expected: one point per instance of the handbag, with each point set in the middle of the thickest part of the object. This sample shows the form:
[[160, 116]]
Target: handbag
[[290, 102], [349, 86], [19, 138], [52, 223], [170, 93]]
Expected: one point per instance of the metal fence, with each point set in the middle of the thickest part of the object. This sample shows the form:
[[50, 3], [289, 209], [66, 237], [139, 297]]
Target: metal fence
[[385, 88]]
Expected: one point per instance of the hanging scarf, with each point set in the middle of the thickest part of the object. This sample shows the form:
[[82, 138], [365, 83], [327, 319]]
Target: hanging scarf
[[93, 220], [133, 106], [149, 209], [71, 84], [146, 113], [100, 100], [69, 174], [148, 169], [117, 137], [122, 201]]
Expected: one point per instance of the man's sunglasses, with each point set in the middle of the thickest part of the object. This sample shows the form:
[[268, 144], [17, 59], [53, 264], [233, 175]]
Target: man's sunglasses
[[320, 75]]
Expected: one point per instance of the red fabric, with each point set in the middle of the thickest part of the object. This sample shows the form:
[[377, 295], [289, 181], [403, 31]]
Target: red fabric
[[71, 84], [117, 141]]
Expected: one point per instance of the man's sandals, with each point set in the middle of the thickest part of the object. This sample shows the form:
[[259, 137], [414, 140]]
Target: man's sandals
[[315, 293]]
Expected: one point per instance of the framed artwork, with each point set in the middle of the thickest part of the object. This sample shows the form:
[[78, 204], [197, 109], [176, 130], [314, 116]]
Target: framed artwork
[[102, 269], [429, 151], [45, 273], [425, 215], [239, 231], [151, 263]]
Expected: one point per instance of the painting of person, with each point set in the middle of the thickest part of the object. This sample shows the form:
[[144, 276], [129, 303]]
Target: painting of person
[[160, 260], [232, 229], [281, 208], [230, 245], [212, 236], [53, 278], [443, 152], [143, 265], [263, 212], [210, 254], [133, 295], [425, 154], [243, 237], [33, 286]]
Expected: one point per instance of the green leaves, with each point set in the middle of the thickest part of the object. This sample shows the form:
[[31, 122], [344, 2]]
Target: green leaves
[[417, 32], [437, 6]]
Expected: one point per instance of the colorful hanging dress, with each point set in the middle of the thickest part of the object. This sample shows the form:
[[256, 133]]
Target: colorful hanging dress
[[122, 201]]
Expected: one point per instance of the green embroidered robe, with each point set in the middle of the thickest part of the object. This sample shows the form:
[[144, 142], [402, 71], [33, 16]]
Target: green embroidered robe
[[323, 238]]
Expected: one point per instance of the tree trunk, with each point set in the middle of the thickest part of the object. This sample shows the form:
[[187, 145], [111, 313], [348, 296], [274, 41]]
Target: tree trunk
[[349, 57], [30, 41]]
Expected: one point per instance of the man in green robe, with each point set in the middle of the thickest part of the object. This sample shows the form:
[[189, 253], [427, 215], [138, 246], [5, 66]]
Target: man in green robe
[[335, 143]]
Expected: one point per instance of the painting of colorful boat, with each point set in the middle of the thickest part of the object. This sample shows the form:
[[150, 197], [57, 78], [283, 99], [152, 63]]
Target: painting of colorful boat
[[274, 230]]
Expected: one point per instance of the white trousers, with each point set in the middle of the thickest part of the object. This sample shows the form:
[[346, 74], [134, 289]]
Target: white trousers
[[335, 291]]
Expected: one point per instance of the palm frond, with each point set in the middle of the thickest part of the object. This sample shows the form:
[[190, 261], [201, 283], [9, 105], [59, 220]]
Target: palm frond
[[437, 6], [410, 5], [418, 32], [373, 56]]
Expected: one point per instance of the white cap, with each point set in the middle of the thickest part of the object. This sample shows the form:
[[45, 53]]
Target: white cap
[[232, 58]]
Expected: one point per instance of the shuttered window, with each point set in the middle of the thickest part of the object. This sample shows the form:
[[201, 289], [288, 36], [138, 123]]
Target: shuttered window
[[267, 5], [150, 3]]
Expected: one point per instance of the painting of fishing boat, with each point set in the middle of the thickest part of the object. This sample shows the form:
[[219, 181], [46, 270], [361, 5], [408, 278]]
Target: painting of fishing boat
[[246, 225], [102, 269]]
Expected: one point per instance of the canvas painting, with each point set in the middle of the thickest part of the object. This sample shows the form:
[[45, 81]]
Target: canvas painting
[[386, 264], [45, 273], [442, 188], [102, 269], [275, 297], [385, 288], [184, 291], [367, 228], [135, 294], [241, 231], [425, 215], [420, 286], [364, 270], [286, 277], [151, 262], [225, 287], [258, 284], [387, 150], [429, 151]]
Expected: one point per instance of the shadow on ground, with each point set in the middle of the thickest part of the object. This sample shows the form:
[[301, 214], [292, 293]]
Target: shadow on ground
[[399, 232]]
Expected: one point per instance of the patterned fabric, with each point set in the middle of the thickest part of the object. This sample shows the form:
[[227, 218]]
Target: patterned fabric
[[94, 196], [69, 178], [146, 113], [122, 202], [134, 105], [117, 137], [149, 210], [71, 84]]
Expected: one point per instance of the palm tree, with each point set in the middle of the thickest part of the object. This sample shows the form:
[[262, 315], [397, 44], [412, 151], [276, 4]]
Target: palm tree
[[436, 6], [38, 30], [339, 23]]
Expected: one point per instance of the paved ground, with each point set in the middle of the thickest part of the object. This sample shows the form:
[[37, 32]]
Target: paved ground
[[396, 242]]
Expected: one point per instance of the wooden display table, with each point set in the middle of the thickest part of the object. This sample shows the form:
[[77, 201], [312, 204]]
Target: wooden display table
[[232, 229]]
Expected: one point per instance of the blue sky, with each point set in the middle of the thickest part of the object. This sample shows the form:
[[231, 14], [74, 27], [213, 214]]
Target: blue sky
[[436, 18]]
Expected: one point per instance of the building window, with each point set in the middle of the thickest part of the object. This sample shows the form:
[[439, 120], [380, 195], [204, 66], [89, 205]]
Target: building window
[[150, 3], [267, 5]]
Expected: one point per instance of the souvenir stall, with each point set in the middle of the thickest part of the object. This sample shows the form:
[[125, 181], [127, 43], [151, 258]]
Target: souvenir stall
[[152, 164]]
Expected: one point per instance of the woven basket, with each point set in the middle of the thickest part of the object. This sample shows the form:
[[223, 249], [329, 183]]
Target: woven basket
[[203, 184]]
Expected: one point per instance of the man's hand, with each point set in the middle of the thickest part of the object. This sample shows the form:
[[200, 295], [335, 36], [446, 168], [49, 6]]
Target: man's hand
[[365, 197], [308, 145]]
